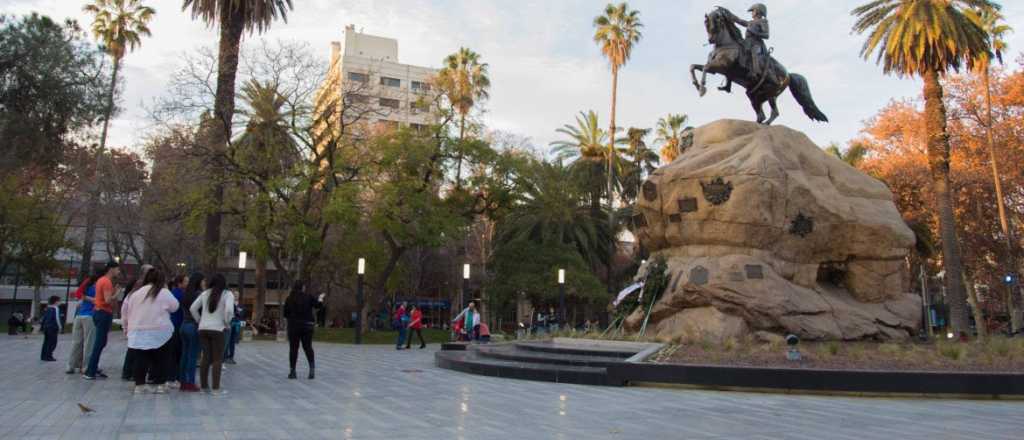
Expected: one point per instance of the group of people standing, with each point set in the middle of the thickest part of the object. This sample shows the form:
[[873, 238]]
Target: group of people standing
[[167, 324]]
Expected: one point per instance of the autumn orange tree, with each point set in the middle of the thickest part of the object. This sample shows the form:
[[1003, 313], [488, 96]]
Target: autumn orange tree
[[896, 139]]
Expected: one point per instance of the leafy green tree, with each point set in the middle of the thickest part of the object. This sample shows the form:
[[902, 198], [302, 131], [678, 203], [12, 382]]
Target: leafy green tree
[[465, 81], [928, 38], [528, 270], [584, 146], [50, 89], [669, 135], [234, 18]]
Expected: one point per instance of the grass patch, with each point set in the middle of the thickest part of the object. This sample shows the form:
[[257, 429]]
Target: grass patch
[[348, 336]]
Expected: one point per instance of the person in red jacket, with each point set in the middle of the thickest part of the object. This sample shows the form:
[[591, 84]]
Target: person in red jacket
[[416, 325]]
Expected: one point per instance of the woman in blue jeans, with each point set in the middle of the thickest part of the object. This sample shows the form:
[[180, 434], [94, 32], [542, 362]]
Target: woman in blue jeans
[[190, 335]]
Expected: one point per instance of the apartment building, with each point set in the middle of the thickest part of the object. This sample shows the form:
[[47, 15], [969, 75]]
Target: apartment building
[[367, 84]]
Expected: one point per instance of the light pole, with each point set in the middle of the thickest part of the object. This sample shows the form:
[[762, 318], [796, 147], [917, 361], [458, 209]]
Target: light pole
[[242, 257], [465, 284], [561, 297], [360, 272]]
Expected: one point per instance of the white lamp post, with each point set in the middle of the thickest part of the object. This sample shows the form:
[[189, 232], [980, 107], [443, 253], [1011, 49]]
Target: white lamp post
[[561, 296], [360, 272], [243, 257]]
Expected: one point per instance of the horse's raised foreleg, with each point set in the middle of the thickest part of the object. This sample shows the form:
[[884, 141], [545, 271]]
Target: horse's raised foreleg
[[775, 111], [727, 88], [703, 78]]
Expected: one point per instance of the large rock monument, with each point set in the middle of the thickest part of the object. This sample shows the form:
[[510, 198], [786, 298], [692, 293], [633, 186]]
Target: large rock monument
[[765, 234]]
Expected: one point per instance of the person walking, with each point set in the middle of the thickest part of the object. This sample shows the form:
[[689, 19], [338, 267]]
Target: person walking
[[213, 310], [82, 327], [470, 320], [415, 325], [298, 311], [189, 334], [177, 289], [401, 321], [51, 326], [146, 317], [128, 366], [102, 317]]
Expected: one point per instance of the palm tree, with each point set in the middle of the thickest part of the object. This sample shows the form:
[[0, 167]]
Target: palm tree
[[120, 26], [670, 134], [552, 209], [927, 38], [853, 155], [616, 32], [466, 82], [643, 161], [991, 20], [584, 147], [234, 17]]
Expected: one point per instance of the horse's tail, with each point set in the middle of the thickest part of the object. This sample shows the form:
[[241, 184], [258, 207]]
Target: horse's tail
[[802, 93]]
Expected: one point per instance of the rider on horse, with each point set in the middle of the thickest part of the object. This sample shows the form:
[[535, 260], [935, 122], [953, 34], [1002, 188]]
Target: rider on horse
[[757, 32]]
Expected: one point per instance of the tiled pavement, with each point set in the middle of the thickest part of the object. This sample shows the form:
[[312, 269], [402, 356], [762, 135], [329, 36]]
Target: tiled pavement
[[374, 392]]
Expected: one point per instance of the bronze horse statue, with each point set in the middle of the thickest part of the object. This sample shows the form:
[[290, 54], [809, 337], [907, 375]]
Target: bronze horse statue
[[731, 58]]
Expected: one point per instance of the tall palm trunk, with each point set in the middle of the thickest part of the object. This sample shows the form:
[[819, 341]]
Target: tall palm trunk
[[938, 163], [611, 195], [462, 135], [92, 208], [232, 26], [1013, 303]]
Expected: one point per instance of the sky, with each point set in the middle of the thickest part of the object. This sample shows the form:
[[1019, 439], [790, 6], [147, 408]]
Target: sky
[[543, 63]]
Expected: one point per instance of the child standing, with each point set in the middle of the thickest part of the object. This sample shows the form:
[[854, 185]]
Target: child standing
[[51, 327]]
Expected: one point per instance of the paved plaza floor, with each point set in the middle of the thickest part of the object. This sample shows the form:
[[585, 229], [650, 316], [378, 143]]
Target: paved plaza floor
[[375, 392]]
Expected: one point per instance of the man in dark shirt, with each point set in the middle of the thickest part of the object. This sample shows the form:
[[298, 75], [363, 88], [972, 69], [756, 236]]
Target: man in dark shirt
[[757, 32]]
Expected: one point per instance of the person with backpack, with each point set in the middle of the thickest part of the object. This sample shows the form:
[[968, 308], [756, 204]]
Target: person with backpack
[[298, 311], [213, 310], [146, 317], [51, 326]]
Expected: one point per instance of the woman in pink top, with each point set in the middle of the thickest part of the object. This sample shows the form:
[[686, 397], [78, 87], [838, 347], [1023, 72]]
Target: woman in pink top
[[146, 318]]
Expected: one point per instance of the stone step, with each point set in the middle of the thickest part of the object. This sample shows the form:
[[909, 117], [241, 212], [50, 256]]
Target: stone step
[[471, 361], [510, 352], [577, 350]]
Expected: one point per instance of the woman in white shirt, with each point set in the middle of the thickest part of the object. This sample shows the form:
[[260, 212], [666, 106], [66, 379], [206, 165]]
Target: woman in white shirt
[[145, 315], [213, 311]]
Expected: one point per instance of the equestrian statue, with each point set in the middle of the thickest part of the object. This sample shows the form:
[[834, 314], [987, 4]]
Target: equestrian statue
[[748, 62]]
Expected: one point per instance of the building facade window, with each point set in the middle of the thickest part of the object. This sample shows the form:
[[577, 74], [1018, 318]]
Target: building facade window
[[420, 86], [390, 82], [356, 98], [358, 77], [390, 103], [388, 125], [418, 106], [419, 128]]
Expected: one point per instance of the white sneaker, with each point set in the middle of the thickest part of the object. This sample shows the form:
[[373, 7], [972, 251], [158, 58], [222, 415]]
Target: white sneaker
[[219, 392], [174, 384], [160, 389], [141, 389]]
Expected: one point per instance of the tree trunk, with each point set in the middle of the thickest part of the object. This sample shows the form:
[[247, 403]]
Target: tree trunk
[[938, 163], [1011, 264], [261, 288], [380, 287], [231, 28], [92, 208], [36, 301], [458, 166], [611, 191]]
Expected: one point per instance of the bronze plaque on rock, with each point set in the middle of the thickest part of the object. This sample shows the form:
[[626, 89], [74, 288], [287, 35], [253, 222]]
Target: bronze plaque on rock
[[650, 190], [688, 204]]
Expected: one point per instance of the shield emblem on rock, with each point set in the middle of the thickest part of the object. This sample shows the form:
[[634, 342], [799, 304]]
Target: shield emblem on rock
[[717, 191]]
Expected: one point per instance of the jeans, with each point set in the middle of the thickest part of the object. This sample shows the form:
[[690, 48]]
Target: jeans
[[153, 361], [49, 343], [189, 353], [300, 333], [81, 342], [401, 337], [213, 350], [231, 336], [101, 320]]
